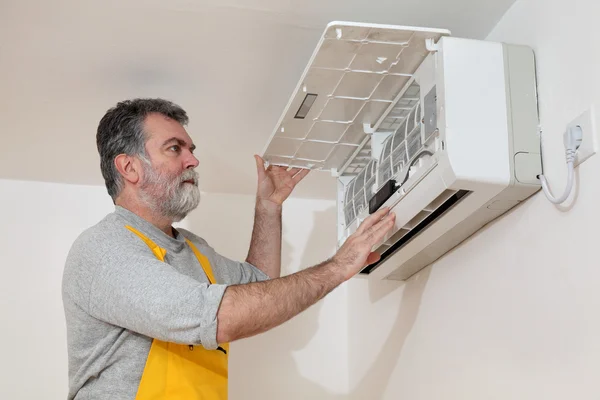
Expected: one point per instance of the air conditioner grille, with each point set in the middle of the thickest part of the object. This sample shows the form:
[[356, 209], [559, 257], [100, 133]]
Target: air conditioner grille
[[359, 192], [361, 160], [406, 141]]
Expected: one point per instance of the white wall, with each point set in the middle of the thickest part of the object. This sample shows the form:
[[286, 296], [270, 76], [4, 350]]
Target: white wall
[[41, 220], [512, 313]]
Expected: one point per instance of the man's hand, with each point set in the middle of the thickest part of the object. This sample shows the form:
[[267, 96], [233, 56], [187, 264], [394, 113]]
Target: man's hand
[[275, 184], [355, 253]]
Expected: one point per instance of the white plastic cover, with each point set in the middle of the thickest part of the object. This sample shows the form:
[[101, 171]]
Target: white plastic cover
[[356, 72]]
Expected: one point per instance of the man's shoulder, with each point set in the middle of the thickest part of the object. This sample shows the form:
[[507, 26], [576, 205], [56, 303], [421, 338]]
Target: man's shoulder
[[105, 235], [82, 261], [89, 251]]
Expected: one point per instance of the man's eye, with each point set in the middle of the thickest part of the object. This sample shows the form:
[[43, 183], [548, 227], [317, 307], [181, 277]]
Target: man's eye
[[174, 148]]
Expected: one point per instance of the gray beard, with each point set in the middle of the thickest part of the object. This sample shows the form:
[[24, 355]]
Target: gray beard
[[167, 195]]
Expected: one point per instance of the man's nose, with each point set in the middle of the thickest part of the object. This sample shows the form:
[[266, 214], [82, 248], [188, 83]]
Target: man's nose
[[191, 161]]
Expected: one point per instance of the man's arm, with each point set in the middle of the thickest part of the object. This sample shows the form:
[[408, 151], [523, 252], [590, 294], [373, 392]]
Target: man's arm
[[253, 308], [275, 184], [265, 245]]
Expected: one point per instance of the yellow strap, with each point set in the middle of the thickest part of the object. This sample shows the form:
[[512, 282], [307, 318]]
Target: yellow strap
[[203, 261], [160, 253]]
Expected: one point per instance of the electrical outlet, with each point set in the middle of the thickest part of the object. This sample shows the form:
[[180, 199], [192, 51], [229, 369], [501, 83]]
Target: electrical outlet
[[589, 144]]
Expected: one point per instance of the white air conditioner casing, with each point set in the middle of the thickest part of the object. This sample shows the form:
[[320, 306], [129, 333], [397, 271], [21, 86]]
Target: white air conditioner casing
[[452, 121]]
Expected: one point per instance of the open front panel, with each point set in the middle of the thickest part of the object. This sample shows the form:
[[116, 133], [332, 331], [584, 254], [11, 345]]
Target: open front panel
[[354, 78]]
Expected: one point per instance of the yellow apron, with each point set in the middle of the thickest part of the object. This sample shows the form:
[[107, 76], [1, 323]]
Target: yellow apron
[[183, 372]]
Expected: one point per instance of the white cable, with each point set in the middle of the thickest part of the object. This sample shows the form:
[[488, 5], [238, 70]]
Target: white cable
[[572, 141], [567, 191]]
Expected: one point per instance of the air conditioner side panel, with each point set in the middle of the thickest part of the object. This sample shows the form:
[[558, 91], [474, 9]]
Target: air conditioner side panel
[[474, 110], [523, 116]]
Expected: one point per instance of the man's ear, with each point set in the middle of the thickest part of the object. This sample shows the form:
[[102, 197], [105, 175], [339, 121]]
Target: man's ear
[[128, 167]]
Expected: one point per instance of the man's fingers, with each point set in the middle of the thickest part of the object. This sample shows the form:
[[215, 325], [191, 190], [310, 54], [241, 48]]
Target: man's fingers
[[293, 171], [372, 220], [259, 161], [260, 166], [373, 258], [300, 175], [278, 168], [378, 231]]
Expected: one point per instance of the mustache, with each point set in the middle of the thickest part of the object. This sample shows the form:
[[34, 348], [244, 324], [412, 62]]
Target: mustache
[[188, 175]]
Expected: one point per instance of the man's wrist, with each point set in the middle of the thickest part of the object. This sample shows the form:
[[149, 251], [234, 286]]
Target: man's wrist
[[268, 207], [338, 272]]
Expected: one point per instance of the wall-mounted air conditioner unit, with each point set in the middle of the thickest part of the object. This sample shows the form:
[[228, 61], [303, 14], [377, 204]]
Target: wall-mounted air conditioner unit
[[443, 130]]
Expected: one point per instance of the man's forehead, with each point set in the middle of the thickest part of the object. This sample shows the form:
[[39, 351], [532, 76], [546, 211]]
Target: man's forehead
[[160, 128]]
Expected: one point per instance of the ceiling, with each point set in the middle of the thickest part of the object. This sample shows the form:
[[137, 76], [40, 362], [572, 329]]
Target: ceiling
[[232, 64]]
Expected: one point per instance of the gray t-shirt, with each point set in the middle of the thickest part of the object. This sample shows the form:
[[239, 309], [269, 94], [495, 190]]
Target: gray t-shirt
[[118, 296]]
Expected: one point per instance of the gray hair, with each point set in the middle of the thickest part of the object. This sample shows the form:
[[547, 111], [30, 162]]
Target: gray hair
[[121, 131]]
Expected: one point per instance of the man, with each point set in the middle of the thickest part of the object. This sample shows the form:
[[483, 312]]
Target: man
[[151, 309]]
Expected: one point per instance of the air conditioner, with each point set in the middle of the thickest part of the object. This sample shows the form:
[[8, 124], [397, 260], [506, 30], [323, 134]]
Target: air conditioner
[[443, 130]]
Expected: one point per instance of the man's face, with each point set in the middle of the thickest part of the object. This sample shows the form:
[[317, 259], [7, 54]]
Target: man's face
[[169, 184]]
